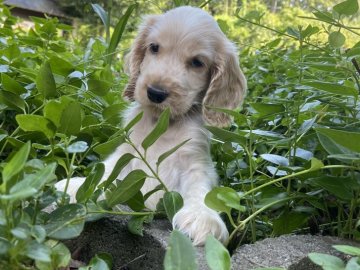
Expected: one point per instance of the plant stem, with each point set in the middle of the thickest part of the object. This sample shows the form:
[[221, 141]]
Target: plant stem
[[142, 157]]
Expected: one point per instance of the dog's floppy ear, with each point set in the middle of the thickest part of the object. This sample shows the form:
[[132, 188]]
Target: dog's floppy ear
[[136, 55], [227, 87]]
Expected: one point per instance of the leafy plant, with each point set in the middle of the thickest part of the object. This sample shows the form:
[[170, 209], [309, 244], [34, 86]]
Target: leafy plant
[[330, 262]]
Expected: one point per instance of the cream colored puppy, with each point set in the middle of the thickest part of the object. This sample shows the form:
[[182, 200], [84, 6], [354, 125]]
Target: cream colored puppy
[[180, 60]]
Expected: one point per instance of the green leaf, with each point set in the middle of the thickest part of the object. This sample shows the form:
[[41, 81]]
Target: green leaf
[[20, 232], [327, 262], [288, 222], [136, 224], [45, 81], [70, 121], [87, 189], [118, 32], [4, 246], [316, 164], [30, 122], [38, 252], [227, 136], [127, 188], [324, 16], [222, 199], [165, 155], [267, 109], [341, 187], [276, 159], [353, 264], [159, 129], [106, 148], [77, 147], [333, 88], [336, 39], [134, 121], [12, 100], [61, 66], [120, 164], [11, 85], [173, 202], [348, 7], [347, 139], [180, 254], [217, 256], [66, 222], [99, 87], [54, 108], [39, 233], [102, 14], [17, 163], [99, 262], [350, 250], [60, 256], [37, 180], [136, 202]]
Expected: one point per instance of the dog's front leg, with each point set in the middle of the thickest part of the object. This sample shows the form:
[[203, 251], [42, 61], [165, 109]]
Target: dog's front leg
[[195, 219]]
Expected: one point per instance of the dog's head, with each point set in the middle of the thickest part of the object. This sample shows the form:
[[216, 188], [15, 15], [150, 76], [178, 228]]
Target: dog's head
[[181, 59]]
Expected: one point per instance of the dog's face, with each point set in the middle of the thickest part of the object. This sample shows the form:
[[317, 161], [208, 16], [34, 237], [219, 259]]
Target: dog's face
[[181, 59]]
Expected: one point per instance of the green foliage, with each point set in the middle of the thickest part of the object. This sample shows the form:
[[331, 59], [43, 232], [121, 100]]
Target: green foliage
[[217, 256], [180, 253], [290, 162], [330, 262]]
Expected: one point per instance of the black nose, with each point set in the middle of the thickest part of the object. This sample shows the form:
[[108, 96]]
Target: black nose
[[156, 94]]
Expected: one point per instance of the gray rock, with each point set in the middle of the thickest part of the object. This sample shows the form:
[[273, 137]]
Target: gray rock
[[287, 251], [132, 252], [129, 251]]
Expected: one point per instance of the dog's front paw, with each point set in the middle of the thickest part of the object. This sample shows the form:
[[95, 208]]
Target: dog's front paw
[[198, 222]]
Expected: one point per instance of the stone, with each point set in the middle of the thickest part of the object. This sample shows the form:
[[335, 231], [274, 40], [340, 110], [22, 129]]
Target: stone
[[129, 251], [287, 252], [132, 252]]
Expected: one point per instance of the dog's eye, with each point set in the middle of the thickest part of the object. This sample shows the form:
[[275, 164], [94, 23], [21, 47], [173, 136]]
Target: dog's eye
[[154, 48], [196, 63]]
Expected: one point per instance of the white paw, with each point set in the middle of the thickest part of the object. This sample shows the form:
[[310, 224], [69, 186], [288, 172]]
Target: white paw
[[198, 222]]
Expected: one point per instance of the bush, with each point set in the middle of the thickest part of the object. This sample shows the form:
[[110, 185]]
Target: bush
[[290, 162]]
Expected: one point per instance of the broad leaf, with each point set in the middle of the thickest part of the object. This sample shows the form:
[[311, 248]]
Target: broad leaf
[[159, 129], [45, 81], [136, 224], [333, 88], [354, 251], [180, 254], [66, 222], [120, 164], [276, 159], [348, 7], [70, 121], [29, 122], [173, 202], [227, 136], [217, 256], [11, 85], [118, 32], [327, 262], [165, 155], [17, 163], [336, 39], [347, 139], [127, 188], [87, 189]]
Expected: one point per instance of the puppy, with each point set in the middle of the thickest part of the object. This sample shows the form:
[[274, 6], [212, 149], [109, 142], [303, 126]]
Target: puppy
[[182, 61]]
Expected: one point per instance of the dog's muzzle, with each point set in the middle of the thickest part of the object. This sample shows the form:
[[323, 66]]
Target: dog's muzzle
[[156, 94]]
